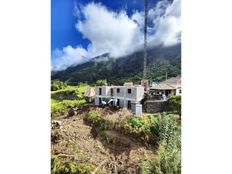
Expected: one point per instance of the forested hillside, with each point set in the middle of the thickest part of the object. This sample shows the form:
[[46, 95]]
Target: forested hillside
[[127, 68]]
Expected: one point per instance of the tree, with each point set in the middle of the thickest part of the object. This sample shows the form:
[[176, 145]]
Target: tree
[[101, 82]]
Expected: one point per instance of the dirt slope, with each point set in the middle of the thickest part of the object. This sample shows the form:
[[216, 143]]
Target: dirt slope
[[80, 142]]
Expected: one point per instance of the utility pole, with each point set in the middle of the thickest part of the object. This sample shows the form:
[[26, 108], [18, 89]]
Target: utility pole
[[145, 40]]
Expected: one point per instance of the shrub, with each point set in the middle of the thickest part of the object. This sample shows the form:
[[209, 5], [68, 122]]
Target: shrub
[[142, 124], [57, 85], [174, 104], [168, 133], [101, 82], [166, 128], [60, 166], [135, 122], [93, 117], [168, 160], [145, 167]]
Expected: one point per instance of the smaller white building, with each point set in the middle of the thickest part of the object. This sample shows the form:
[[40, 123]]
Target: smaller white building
[[121, 96], [168, 87]]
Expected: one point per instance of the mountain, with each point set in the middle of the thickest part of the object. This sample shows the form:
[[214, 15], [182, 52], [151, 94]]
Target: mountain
[[128, 68]]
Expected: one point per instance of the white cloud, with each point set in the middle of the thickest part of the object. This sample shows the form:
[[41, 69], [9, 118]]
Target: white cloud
[[108, 31], [67, 57], [118, 34], [167, 23], [138, 17]]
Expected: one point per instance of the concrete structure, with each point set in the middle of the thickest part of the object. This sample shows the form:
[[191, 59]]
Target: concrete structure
[[121, 96], [137, 109]]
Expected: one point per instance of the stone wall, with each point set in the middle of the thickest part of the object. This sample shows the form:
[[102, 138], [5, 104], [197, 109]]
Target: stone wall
[[153, 106]]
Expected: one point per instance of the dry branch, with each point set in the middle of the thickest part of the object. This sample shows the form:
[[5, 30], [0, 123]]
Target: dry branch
[[99, 166]]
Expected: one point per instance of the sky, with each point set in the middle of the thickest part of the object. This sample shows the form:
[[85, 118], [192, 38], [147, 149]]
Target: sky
[[83, 29]]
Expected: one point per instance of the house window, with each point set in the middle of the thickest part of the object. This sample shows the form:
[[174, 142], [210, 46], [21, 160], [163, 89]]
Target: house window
[[118, 90], [100, 101], [100, 91], [180, 91], [129, 91]]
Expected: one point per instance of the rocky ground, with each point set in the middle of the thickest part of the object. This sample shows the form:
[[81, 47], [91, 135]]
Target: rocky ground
[[74, 139]]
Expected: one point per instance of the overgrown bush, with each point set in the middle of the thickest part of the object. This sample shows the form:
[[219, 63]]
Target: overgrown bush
[[174, 104], [141, 124], [61, 166], [101, 82], [166, 128], [168, 133], [145, 167], [57, 85], [168, 159], [93, 117]]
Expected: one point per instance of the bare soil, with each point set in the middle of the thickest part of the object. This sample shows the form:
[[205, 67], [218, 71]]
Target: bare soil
[[81, 142]]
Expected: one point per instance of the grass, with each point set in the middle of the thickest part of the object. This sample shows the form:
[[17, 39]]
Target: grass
[[60, 107], [60, 166], [78, 90]]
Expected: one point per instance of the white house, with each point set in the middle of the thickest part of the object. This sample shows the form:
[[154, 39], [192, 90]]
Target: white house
[[121, 96]]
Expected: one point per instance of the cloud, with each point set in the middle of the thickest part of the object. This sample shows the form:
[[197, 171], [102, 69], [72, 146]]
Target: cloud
[[68, 56], [166, 23], [117, 33], [108, 31]]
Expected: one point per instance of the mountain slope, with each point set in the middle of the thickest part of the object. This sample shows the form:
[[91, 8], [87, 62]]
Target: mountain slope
[[127, 68]]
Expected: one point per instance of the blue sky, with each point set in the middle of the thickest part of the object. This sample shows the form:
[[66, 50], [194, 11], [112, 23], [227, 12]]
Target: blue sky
[[82, 29], [63, 20]]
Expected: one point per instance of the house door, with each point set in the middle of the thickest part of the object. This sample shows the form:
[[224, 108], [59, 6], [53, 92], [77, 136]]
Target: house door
[[118, 101], [100, 101], [129, 104]]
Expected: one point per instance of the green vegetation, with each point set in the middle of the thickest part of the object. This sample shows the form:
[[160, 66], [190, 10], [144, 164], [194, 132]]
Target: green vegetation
[[144, 122], [61, 106], [60, 166], [164, 130], [174, 104], [57, 85], [141, 125], [161, 60], [101, 82], [94, 118], [72, 90], [168, 133], [145, 167], [168, 160]]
